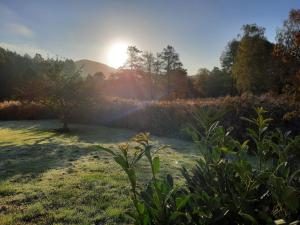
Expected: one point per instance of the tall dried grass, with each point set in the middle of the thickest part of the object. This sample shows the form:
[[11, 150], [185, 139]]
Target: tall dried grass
[[167, 118]]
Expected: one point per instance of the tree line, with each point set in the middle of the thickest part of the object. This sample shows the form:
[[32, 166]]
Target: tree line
[[249, 63]]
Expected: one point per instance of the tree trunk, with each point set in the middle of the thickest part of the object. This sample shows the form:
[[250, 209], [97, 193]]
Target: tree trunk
[[168, 85], [151, 86], [65, 120], [65, 127]]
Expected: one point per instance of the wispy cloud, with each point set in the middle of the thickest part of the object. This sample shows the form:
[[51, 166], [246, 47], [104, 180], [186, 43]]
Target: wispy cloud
[[5, 12], [26, 49], [12, 24], [20, 30]]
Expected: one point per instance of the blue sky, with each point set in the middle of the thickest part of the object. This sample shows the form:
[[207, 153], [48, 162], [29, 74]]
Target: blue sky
[[198, 29]]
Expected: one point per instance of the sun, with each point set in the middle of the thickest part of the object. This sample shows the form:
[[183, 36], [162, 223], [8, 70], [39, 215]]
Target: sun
[[117, 55]]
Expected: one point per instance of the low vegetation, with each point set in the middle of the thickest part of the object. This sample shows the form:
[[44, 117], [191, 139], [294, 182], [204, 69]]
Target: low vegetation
[[226, 186], [166, 118]]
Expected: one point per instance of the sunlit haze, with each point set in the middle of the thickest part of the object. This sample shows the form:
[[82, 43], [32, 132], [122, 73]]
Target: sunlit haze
[[117, 55]]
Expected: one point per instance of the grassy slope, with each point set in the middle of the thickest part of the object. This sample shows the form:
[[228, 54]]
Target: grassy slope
[[47, 178]]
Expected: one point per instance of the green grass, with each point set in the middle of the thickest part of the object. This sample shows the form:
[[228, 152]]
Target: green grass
[[51, 178]]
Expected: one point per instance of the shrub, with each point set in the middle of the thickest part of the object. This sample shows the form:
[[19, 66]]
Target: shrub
[[227, 186], [15, 110]]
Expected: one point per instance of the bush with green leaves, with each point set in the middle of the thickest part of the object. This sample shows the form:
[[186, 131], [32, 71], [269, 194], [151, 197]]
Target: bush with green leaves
[[227, 185]]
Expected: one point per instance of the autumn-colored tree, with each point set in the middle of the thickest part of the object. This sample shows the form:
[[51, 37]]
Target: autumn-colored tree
[[253, 61], [288, 49]]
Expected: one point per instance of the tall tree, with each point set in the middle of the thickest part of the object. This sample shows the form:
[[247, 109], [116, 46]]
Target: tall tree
[[61, 90], [253, 60], [288, 38], [228, 56], [65, 91], [180, 86], [171, 62], [288, 49], [134, 59], [227, 59], [149, 67], [157, 67]]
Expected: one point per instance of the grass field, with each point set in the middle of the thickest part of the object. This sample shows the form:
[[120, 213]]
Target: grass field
[[51, 178]]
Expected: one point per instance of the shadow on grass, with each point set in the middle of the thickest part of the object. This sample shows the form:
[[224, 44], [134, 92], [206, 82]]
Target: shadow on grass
[[39, 149], [33, 147], [32, 160]]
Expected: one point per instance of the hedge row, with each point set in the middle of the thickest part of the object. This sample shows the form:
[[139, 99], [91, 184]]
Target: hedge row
[[169, 118], [166, 118]]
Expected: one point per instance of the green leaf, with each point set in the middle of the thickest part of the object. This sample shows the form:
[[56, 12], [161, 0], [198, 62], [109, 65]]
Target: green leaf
[[215, 154], [290, 198], [121, 161], [181, 202], [176, 214], [140, 207], [252, 134], [156, 165], [225, 150], [107, 150], [248, 120], [248, 217], [294, 175], [132, 177]]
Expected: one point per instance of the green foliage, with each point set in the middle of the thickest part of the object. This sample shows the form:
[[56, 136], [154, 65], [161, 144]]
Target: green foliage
[[260, 138], [63, 90], [213, 83], [228, 56], [252, 64], [227, 186], [155, 204]]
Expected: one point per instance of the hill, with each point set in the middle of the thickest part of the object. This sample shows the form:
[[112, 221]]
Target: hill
[[91, 67]]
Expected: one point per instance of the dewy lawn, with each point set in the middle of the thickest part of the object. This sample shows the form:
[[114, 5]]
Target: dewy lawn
[[52, 178]]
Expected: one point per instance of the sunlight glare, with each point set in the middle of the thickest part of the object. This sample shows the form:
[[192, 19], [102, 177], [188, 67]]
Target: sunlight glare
[[117, 55]]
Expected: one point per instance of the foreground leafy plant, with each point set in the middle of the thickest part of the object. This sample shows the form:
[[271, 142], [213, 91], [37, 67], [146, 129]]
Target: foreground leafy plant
[[156, 204], [227, 186]]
